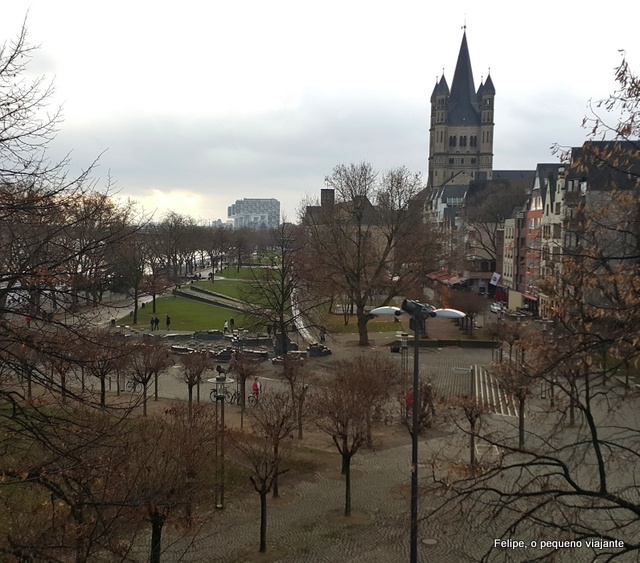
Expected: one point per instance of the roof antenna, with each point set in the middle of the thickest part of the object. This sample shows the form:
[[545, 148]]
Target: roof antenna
[[464, 27]]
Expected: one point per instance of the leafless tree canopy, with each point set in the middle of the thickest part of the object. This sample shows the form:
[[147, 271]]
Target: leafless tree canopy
[[371, 243]]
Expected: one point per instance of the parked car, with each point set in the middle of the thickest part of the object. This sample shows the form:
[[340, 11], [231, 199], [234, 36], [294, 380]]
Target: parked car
[[498, 308]]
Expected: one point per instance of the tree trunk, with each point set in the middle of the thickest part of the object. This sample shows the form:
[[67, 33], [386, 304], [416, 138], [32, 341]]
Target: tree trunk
[[144, 399], [157, 522], [190, 388], [343, 451], [521, 422], [81, 550], [300, 414], [276, 493], [263, 522], [135, 305], [103, 392], [472, 447], [347, 485], [363, 334], [63, 385], [572, 415]]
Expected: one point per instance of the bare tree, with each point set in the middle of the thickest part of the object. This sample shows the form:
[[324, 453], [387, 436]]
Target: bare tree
[[518, 380], [146, 361], [276, 295], [469, 303], [274, 417], [473, 411], [345, 408], [371, 243], [194, 366], [163, 466], [294, 372], [103, 354], [265, 463]]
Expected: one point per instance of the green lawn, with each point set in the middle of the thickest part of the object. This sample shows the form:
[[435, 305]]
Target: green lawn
[[232, 274], [230, 288], [185, 315], [191, 315]]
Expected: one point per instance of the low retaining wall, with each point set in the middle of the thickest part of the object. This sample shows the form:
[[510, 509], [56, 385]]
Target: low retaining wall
[[450, 342]]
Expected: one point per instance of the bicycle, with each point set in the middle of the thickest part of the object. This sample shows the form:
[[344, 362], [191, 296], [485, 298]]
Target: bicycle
[[132, 386], [229, 396], [234, 397]]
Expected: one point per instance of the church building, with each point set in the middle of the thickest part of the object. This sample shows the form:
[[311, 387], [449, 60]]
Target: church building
[[461, 130]]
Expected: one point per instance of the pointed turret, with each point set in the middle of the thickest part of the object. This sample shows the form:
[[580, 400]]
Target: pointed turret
[[489, 89], [441, 89]]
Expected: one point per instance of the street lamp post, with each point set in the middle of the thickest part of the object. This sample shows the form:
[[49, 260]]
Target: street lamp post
[[404, 354], [220, 382], [419, 312]]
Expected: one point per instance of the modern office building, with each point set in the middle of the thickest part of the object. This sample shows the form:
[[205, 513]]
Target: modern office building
[[255, 213]]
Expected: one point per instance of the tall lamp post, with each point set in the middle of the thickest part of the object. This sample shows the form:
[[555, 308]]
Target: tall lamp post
[[219, 382], [419, 312], [404, 352]]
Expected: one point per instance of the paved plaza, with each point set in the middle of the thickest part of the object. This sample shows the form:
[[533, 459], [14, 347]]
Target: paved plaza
[[307, 524]]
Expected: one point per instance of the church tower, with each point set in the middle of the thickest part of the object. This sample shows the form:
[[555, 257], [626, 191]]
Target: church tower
[[461, 131]]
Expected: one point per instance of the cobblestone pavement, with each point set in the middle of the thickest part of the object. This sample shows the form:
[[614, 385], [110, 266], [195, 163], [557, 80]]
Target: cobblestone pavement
[[308, 524]]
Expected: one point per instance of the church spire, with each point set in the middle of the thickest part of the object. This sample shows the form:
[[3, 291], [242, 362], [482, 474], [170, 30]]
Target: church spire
[[463, 100], [462, 88]]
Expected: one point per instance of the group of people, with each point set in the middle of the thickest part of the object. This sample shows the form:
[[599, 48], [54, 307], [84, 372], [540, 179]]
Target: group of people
[[229, 326], [155, 323]]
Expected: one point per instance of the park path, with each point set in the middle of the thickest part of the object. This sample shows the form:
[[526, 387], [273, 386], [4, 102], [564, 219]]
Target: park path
[[308, 525]]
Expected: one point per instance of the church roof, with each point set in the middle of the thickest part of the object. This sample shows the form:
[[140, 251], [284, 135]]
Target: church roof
[[463, 102]]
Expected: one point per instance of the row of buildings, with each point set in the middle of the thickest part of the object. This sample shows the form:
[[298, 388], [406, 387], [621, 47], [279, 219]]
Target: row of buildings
[[506, 231]]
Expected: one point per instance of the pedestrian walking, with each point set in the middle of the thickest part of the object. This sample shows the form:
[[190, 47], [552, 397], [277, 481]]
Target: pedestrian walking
[[168, 322], [256, 387], [232, 324], [153, 323], [323, 334], [156, 322], [226, 327]]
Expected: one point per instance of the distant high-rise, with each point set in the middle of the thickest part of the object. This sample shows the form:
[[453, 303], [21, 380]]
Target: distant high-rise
[[255, 213], [461, 132]]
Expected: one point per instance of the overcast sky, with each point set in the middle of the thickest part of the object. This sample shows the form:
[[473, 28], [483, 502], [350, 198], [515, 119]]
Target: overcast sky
[[199, 103]]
